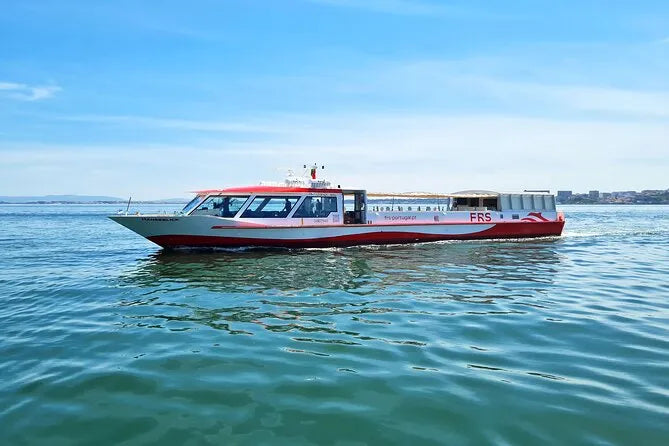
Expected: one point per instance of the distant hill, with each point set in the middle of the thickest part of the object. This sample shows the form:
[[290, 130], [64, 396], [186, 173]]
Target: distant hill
[[59, 199], [168, 201]]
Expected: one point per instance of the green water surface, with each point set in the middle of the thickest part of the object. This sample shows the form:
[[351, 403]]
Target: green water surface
[[106, 339]]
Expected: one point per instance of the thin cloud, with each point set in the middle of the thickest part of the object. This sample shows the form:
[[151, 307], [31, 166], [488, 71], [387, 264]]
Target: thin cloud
[[439, 82], [651, 104], [380, 152], [24, 92], [175, 124]]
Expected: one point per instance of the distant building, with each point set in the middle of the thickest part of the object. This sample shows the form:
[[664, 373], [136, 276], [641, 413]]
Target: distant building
[[606, 195], [593, 195], [563, 195]]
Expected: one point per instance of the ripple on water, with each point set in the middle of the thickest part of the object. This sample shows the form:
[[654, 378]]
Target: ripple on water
[[108, 339]]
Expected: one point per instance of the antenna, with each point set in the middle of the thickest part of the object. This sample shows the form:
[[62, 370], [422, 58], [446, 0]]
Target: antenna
[[311, 170], [128, 207]]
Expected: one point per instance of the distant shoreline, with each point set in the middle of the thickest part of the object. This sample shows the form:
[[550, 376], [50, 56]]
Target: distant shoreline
[[613, 204], [95, 202]]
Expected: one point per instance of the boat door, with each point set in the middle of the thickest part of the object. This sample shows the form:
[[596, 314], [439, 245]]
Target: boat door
[[355, 207]]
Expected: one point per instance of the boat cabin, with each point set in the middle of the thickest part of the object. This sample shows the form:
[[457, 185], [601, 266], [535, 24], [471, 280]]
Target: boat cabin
[[283, 205], [308, 201]]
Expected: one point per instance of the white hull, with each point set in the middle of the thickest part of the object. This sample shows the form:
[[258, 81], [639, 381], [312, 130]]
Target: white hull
[[211, 231]]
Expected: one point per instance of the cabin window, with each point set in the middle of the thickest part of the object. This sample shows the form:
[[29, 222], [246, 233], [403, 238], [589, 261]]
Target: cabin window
[[222, 206], [190, 206], [462, 202], [527, 202], [538, 202], [505, 202], [465, 203], [270, 207], [229, 206], [549, 201], [316, 207], [490, 204]]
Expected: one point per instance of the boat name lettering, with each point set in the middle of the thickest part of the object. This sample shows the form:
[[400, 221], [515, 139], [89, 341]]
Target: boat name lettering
[[480, 216], [159, 219], [399, 217]]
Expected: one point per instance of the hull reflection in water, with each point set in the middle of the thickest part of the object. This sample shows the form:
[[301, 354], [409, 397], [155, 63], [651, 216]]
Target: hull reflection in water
[[285, 291]]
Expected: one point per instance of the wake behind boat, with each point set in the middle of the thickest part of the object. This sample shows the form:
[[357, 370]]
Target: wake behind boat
[[306, 212]]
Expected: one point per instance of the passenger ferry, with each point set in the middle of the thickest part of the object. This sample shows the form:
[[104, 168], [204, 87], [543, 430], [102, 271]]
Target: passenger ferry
[[306, 212]]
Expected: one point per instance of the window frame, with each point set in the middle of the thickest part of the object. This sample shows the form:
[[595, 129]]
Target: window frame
[[253, 198], [244, 203], [214, 196], [197, 202], [316, 195]]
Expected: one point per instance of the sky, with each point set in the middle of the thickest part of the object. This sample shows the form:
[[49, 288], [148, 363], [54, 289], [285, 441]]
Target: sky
[[156, 99]]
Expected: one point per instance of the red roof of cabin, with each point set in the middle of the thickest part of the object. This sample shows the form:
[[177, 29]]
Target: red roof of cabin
[[248, 190]]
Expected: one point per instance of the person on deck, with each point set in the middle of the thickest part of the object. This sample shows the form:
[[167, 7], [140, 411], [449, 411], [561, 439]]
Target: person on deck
[[226, 207]]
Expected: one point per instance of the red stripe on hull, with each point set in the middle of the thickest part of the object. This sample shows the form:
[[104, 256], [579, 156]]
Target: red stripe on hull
[[500, 230]]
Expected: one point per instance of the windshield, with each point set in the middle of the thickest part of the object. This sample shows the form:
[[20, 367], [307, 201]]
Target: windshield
[[222, 206], [190, 206]]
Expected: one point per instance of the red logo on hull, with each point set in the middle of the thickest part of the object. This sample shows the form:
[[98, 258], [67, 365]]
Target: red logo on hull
[[535, 217], [480, 217]]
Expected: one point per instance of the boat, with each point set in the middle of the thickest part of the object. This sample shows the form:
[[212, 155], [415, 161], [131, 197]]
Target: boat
[[309, 212]]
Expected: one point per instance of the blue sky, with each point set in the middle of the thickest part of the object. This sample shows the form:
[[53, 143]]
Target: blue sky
[[153, 99]]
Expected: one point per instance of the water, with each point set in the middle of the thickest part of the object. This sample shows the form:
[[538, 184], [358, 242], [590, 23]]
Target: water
[[106, 339]]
